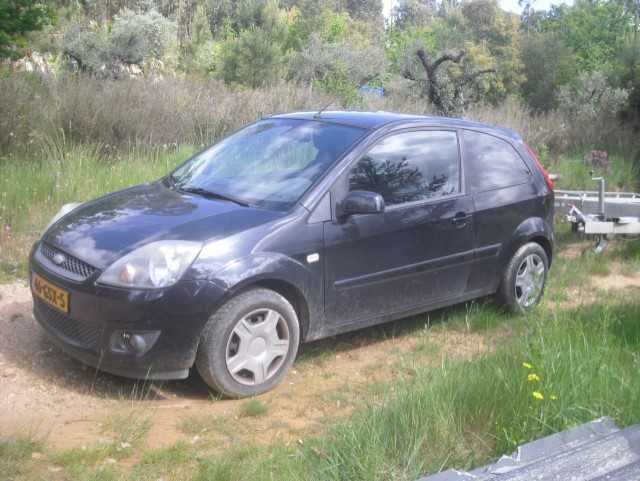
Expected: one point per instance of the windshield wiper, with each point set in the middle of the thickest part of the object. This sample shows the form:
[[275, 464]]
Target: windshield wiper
[[212, 195]]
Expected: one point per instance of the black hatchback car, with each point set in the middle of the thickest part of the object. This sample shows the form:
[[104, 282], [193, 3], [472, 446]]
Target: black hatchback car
[[297, 227]]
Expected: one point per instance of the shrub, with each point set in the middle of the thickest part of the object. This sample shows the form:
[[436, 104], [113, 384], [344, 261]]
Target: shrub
[[545, 73], [134, 37], [591, 107], [339, 67], [592, 97]]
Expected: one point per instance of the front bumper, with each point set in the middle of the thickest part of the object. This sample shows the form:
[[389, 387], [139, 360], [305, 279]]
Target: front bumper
[[98, 314]]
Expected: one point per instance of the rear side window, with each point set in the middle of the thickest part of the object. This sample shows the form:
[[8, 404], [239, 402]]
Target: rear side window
[[409, 167], [491, 163]]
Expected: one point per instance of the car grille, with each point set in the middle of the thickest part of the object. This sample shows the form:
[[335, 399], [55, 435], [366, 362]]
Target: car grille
[[70, 263], [78, 333]]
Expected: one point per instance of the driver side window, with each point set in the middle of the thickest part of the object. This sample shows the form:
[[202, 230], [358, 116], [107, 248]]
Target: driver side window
[[409, 167]]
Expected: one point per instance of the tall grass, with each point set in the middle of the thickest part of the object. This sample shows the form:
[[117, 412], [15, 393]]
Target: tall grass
[[624, 174], [120, 114], [32, 191], [466, 413], [139, 113]]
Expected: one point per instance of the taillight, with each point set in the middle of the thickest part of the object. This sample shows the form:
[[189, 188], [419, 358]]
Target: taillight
[[544, 172]]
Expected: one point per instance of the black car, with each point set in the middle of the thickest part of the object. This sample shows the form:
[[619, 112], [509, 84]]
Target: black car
[[295, 228]]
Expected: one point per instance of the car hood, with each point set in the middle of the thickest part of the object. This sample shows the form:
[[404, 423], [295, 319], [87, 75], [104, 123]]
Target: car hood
[[103, 230]]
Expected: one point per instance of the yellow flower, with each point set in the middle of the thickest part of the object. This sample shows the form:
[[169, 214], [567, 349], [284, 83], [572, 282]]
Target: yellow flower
[[537, 395], [553, 397], [526, 365], [533, 377]]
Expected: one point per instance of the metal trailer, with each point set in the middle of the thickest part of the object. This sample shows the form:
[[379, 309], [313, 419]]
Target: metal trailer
[[601, 214]]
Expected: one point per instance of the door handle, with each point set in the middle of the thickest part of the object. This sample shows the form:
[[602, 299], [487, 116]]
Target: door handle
[[461, 219]]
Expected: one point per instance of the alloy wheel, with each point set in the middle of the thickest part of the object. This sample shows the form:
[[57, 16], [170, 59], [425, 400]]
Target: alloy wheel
[[529, 280]]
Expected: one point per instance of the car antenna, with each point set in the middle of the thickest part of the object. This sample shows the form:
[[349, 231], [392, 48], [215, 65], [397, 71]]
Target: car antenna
[[319, 113]]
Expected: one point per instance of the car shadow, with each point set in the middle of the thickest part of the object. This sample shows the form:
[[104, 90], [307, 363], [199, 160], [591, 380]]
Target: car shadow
[[25, 347]]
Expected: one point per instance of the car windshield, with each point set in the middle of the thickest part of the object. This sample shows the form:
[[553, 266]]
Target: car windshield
[[268, 164]]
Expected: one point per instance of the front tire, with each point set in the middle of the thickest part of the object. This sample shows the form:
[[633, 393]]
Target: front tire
[[523, 280], [249, 344]]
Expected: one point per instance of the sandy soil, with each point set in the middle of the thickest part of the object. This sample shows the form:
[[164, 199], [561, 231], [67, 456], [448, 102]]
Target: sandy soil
[[45, 392]]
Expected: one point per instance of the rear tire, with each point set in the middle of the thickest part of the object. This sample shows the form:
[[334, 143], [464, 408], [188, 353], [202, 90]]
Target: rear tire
[[524, 278], [249, 344]]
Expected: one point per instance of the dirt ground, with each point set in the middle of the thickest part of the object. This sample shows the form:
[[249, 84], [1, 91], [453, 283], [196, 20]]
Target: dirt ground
[[45, 392]]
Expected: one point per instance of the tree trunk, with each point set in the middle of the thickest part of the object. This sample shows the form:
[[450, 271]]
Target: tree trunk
[[185, 14]]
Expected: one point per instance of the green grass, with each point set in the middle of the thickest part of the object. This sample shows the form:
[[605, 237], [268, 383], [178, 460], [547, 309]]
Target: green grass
[[253, 408], [458, 414], [124, 433], [15, 451], [31, 191], [203, 423], [466, 413], [623, 174]]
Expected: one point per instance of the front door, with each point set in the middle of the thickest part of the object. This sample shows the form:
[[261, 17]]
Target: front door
[[418, 252]]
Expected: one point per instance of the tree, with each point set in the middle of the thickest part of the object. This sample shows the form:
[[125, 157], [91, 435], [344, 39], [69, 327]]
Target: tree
[[548, 65], [448, 93], [18, 17], [594, 29], [367, 10], [256, 56], [340, 68], [627, 75], [408, 13]]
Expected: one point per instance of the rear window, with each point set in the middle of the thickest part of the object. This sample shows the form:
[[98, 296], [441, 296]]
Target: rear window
[[491, 163]]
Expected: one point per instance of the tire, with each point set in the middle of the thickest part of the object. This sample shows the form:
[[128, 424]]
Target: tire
[[242, 350], [517, 292]]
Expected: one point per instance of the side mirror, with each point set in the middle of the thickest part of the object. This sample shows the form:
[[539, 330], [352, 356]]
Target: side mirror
[[362, 202]]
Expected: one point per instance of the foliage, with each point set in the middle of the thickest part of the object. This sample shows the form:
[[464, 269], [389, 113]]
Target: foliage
[[548, 64], [592, 98], [626, 72], [413, 13], [133, 38], [367, 10], [136, 36], [256, 56], [489, 38], [344, 62], [592, 104], [18, 17], [594, 29]]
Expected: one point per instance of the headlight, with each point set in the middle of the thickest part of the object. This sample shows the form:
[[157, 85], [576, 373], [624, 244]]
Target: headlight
[[64, 210], [158, 264]]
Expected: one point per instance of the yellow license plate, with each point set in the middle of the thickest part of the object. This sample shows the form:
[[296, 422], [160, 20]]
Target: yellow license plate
[[58, 298]]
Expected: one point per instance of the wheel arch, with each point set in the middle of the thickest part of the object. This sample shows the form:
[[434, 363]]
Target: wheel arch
[[534, 229], [291, 293]]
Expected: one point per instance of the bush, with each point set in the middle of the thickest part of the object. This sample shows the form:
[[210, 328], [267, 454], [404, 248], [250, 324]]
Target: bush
[[339, 67], [137, 36], [548, 64], [134, 37], [591, 107]]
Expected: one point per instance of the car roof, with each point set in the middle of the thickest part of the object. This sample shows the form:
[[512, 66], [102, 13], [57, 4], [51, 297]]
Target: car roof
[[375, 120]]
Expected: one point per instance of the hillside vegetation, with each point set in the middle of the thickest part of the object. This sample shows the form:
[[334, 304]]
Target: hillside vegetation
[[97, 95]]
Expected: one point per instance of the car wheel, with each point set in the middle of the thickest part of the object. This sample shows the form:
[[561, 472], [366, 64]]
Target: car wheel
[[249, 344], [523, 280]]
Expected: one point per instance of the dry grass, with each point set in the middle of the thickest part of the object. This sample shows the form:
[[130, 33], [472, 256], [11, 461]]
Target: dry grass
[[113, 115]]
